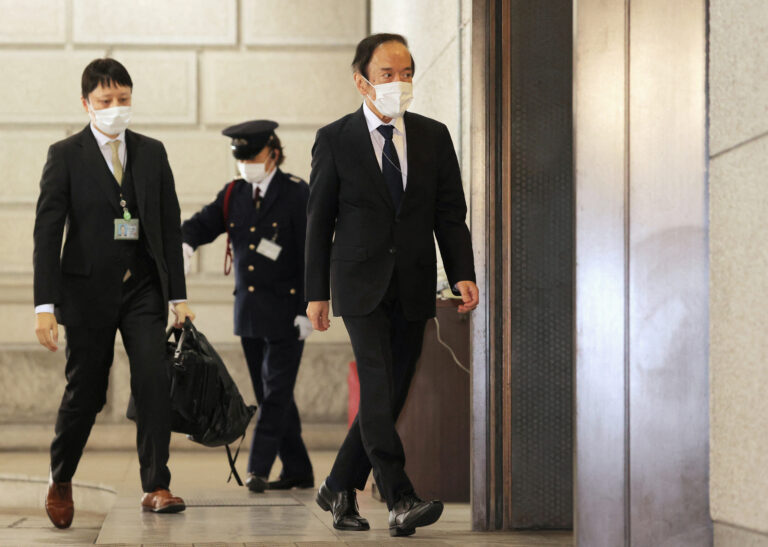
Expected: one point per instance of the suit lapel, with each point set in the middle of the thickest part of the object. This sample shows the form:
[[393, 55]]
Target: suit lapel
[[358, 139], [97, 169], [414, 153], [137, 167], [272, 192]]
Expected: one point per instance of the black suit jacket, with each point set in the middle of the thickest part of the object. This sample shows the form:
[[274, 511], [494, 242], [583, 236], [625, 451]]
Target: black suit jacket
[[355, 240], [78, 191], [268, 293]]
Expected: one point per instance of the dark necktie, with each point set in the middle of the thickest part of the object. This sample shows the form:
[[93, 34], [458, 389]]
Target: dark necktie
[[390, 166], [257, 198]]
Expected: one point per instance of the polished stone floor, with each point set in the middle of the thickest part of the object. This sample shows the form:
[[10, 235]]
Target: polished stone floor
[[218, 513]]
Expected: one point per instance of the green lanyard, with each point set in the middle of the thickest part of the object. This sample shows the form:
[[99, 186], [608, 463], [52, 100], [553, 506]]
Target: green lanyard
[[126, 213]]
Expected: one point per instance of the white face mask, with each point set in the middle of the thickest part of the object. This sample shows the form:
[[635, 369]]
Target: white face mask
[[393, 98], [111, 121], [252, 172]]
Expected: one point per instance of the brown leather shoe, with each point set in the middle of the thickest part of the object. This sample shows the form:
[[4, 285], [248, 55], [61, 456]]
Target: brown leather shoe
[[162, 501], [59, 505]]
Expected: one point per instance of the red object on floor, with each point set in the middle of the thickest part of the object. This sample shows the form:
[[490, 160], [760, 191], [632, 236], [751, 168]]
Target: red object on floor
[[353, 384]]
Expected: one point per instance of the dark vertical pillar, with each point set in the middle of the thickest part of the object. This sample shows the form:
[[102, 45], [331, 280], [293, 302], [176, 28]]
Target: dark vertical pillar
[[540, 369], [524, 342]]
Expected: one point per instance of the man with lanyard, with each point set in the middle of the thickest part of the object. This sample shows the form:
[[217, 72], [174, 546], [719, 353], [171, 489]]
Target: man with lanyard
[[120, 266]]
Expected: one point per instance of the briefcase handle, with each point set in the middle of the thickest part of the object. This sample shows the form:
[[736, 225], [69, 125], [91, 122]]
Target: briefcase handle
[[188, 327]]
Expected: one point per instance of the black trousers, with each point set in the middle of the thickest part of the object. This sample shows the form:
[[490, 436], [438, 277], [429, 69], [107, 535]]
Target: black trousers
[[273, 365], [386, 348], [90, 352]]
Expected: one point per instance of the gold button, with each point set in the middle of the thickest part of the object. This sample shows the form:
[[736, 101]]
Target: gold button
[[251, 289], [293, 291], [274, 224], [231, 224], [250, 268], [253, 228], [251, 246]]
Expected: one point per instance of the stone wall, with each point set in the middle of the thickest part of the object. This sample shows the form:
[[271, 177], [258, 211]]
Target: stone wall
[[439, 36], [738, 84], [197, 66]]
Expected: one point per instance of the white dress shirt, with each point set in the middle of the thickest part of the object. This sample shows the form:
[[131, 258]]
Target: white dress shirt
[[264, 184], [398, 139]]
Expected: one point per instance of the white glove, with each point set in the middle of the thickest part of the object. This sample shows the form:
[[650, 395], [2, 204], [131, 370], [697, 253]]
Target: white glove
[[305, 326], [187, 251]]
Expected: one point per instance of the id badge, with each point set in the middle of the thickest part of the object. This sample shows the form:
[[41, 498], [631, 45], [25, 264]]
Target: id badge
[[126, 229], [269, 248]]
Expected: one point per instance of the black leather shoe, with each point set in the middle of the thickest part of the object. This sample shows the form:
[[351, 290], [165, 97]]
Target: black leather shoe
[[255, 483], [292, 482], [410, 512], [343, 507]]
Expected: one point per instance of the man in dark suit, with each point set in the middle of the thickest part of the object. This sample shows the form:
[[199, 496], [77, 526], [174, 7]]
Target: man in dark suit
[[121, 264], [383, 181], [266, 222]]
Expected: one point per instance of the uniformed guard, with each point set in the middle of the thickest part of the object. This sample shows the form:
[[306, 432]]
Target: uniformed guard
[[264, 215]]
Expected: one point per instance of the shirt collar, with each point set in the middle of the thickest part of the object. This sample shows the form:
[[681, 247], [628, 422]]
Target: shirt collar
[[374, 121], [102, 139], [264, 184]]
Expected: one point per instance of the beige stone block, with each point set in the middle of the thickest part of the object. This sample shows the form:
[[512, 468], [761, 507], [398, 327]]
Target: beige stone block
[[466, 104], [194, 22], [738, 345], [26, 375], [21, 22], [436, 92], [730, 536], [738, 73], [297, 147], [29, 372], [201, 162], [17, 322], [323, 371], [301, 22], [213, 319], [428, 25], [16, 225], [164, 86], [45, 86], [211, 259], [22, 157], [292, 87]]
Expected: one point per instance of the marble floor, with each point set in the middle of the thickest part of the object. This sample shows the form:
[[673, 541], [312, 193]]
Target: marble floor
[[219, 514]]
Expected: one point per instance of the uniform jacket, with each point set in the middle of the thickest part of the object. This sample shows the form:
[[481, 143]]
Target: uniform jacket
[[355, 240], [268, 294], [77, 190]]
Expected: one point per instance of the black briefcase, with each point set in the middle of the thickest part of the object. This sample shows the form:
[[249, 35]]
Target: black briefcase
[[205, 402]]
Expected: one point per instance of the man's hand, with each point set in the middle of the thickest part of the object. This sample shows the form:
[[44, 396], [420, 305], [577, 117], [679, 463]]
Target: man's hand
[[182, 311], [317, 311], [469, 295], [47, 330]]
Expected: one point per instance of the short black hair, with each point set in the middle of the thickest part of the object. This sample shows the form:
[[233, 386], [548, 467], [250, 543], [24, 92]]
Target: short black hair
[[368, 45], [106, 72]]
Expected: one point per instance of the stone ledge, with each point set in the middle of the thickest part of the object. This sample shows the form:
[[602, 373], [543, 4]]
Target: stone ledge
[[109, 437], [32, 381], [728, 535]]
